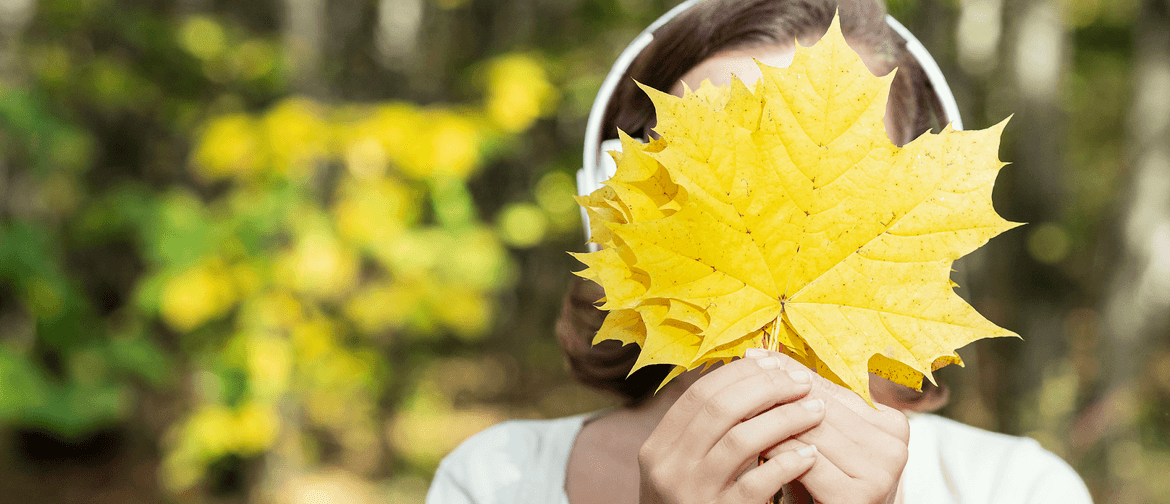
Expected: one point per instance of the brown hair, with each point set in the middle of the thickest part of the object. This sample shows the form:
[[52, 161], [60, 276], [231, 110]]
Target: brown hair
[[603, 366], [705, 30], [715, 26]]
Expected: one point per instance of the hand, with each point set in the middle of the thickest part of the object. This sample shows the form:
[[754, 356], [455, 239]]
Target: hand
[[861, 450], [705, 449]]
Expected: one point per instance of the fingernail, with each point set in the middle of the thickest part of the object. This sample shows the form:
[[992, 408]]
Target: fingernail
[[813, 405], [799, 376], [807, 451], [755, 353], [769, 363]]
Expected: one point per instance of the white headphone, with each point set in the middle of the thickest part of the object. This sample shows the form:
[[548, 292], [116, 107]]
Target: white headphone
[[598, 168]]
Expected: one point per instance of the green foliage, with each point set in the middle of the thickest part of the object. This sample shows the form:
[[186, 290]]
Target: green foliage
[[351, 256], [180, 221]]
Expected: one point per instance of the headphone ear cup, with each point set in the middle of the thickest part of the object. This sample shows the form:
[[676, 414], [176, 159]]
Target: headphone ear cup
[[590, 179], [606, 166]]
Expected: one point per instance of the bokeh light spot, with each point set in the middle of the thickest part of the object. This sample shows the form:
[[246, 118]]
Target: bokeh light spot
[[203, 37], [1049, 243], [522, 225]]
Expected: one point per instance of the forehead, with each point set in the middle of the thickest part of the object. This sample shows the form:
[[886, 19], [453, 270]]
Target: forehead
[[740, 62]]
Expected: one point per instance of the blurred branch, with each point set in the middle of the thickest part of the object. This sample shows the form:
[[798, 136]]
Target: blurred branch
[[1039, 51]]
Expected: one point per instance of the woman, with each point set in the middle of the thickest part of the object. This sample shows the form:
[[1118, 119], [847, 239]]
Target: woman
[[698, 439]]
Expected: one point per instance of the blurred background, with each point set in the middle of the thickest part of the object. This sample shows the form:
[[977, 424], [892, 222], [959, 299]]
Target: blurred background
[[295, 251]]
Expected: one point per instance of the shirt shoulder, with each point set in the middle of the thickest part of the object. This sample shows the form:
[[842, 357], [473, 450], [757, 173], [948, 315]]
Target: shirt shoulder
[[516, 461], [953, 462]]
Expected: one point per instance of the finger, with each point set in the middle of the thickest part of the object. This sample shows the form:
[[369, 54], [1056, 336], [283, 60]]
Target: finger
[[714, 388], [828, 483], [761, 483], [784, 446], [865, 438], [822, 472], [856, 448], [711, 383], [854, 458], [888, 419], [827, 479], [742, 400], [880, 415], [744, 442], [857, 441]]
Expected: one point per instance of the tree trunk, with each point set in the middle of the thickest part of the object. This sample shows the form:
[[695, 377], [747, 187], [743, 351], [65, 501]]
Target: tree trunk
[[1137, 308], [1033, 297], [304, 32]]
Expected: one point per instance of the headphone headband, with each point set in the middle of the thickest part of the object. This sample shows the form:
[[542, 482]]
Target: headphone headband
[[614, 77], [596, 168]]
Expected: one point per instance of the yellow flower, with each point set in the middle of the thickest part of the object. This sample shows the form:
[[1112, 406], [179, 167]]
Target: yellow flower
[[421, 144], [476, 259], [271, 310], [383, 306], [254, 426], [209, 430], [366, 158], [374, 136], [197, 295], [340, 372], [372, 211], [269, 364], [230, 146], [298, 137], [412, 254], [247, 277], [453, 148], [313, 339], [319, 265], [464, 310], [215, 430]]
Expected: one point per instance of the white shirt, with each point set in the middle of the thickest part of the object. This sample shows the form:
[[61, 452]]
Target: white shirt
[[525, 461]]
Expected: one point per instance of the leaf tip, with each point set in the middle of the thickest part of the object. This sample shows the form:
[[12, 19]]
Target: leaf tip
[[835, 25]]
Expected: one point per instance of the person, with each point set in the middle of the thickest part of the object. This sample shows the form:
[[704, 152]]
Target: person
[[700, 438]]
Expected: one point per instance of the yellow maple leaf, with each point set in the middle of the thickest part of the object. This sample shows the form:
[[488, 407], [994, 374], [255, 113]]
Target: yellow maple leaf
[[784, 217]]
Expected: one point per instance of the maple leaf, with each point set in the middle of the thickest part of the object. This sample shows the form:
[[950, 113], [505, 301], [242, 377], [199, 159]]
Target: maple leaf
[[784, 217]]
